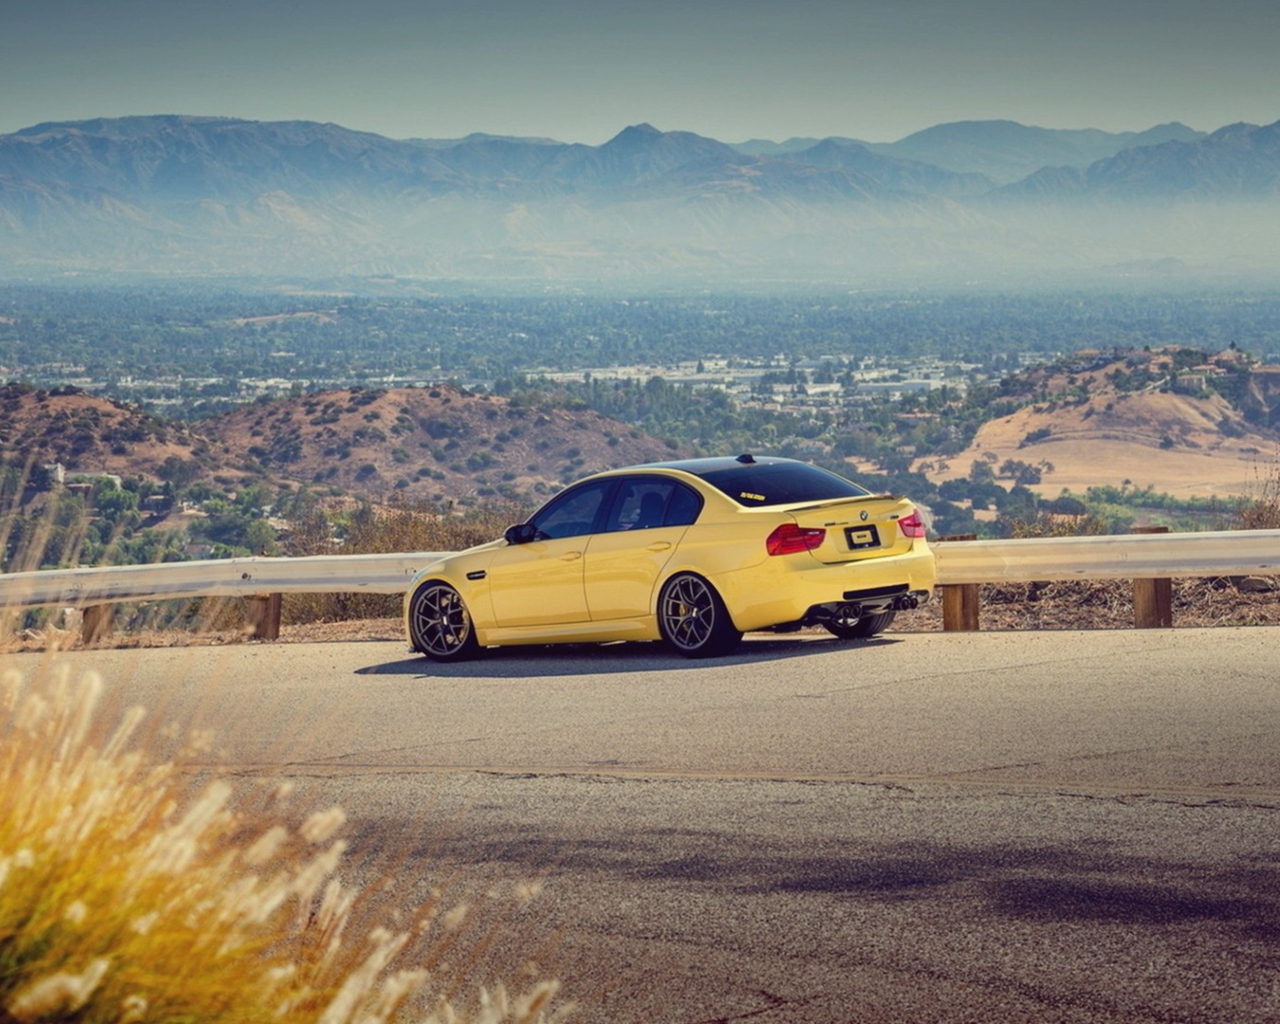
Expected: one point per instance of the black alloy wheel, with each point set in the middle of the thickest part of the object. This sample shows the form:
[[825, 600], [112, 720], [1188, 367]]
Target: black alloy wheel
[[440, 625], [693, 619]]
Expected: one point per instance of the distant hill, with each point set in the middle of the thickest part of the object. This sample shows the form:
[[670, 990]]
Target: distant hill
[[908, 176], [1189, 424], [429, 443], [92, 435], [1239, 162], [1006, 151], [766, 147], [180, 195], [420, 444], [482, 137], [1001, 151], [1142, 419]]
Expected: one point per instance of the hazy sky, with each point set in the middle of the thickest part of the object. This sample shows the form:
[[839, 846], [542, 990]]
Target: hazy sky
[[581, 71]]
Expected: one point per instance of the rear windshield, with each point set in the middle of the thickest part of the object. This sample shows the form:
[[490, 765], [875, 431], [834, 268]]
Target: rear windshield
[[781, 484]]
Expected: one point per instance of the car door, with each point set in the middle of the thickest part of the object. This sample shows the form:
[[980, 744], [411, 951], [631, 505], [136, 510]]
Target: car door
[[647, 517], [540, 583]]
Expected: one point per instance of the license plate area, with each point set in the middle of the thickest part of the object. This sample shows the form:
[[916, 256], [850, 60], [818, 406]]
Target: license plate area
[[860, 537]]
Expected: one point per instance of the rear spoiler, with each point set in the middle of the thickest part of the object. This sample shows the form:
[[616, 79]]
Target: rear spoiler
[[834, 501]]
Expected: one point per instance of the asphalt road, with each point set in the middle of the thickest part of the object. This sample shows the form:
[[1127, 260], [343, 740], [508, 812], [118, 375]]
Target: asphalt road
[[991, 827]]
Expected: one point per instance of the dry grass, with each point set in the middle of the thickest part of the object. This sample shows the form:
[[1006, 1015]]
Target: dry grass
[[134, 888], [1260, 509], [1102, 604], [1112, 438], [130, 892]]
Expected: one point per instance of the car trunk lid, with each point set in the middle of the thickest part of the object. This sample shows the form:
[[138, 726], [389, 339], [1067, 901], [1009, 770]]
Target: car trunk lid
[[857, 528]]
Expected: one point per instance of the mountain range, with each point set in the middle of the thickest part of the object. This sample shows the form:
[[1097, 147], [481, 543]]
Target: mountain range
[[1003, 151], [172, 193]]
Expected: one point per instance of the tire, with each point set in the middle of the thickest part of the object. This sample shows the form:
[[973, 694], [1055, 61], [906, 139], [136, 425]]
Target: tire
[[693, 620], [440, 625], [868, 625]]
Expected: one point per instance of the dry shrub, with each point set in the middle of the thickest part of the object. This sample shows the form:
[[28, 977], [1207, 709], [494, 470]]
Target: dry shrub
[[1064, 604], [382, 530], [130, 893], [1049, 524], [1055, 605], [1260, 510]]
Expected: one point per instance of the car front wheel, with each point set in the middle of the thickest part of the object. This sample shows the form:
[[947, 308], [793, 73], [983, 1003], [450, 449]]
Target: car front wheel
[[858, 629], [440, 625], [693, 620]]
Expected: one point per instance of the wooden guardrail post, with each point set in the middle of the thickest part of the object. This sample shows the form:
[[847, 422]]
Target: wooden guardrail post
[[262, 615], [1152, 599], [96, 622], [960, 600]]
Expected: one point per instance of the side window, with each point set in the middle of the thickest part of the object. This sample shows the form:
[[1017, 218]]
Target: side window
[[643, 503], [573, 513], [684, 506], [640, 504]]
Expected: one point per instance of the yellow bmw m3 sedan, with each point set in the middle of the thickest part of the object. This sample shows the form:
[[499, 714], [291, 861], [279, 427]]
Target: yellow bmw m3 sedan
[[694, 552]]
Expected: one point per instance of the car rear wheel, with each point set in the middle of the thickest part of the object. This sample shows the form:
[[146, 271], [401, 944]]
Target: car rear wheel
[[693, 620], [858, 629], [440, 625]]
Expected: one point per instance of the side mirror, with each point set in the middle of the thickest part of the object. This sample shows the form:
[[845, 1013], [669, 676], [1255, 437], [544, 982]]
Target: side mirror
[[521, 533]]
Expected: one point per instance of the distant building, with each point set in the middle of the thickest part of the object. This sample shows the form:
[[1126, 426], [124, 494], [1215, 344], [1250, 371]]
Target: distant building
[[53, 474], [91, 478], [157, 504]]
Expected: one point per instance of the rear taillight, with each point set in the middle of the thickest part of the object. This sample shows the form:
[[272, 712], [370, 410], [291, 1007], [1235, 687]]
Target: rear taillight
[[912, 525], [789, 538]]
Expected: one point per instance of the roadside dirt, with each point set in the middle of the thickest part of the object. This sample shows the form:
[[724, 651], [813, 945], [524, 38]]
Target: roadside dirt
[[51, 638], [1109, 605]]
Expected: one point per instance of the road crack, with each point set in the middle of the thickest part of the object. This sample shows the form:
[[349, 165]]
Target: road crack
[[773, 1002]]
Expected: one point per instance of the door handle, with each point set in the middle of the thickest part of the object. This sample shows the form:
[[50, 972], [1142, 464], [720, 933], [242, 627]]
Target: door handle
[[660, 545], [571, 556]]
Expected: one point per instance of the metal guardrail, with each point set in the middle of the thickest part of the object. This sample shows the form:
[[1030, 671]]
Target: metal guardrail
[[231, 577], [1149, 559], [1143, 556], [1168, 555], [959, 566]]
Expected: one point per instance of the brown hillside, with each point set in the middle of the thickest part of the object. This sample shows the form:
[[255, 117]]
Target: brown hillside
[[1185, 444], [92, 435], [422, 444]]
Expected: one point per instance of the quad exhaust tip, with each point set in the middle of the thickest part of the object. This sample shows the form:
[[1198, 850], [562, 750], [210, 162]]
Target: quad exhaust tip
[[850, 612]]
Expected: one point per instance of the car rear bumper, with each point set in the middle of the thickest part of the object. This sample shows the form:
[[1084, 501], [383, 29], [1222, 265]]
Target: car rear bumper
[[789, 587]]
